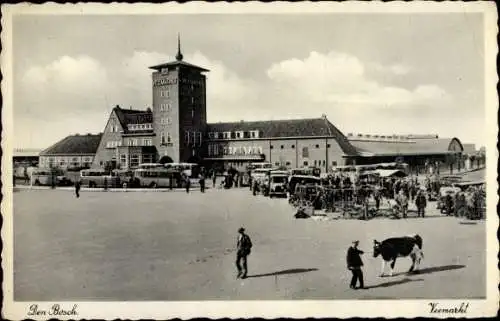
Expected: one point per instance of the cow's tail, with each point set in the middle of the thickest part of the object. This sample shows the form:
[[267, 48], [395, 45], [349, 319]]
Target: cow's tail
[[419, 241]]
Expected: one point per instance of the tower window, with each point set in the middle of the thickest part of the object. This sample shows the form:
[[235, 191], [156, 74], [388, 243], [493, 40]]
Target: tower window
[[162, 138], [169, 138]]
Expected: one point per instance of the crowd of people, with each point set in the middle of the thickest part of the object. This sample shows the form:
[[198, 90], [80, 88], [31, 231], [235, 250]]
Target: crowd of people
[[344, 191]]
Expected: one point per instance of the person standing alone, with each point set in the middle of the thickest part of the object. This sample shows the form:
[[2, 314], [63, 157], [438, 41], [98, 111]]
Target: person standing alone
[[243, 249], [354, 264], [421, 203], [77, 188], [202, 183]]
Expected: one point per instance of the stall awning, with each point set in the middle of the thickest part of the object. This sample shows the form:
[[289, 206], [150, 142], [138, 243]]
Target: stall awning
[[387, 172], [238, 158]]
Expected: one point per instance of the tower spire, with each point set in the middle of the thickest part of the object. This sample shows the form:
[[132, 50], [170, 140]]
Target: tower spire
[[179, 56]]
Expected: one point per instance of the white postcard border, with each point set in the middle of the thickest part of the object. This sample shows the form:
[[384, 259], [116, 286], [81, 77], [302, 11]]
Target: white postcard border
[[267, 309]]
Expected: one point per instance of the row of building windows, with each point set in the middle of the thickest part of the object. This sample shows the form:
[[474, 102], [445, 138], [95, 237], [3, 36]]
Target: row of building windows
[[165, 138], [234, 135], [140, 142], [318, 163], [135, 160], [193, 138], [164, 93], [131, 142], [140, 126], [113, 143], [114, 128], [165, 107], [166, 121]]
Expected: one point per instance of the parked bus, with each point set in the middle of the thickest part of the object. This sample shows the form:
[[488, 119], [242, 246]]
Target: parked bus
[[158, 177], [306, 171], [261, 165], [192, 170], [149, 165], [48, 176], [98, 178]]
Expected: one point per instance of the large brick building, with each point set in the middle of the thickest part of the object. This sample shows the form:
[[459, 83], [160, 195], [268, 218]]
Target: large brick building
[[176, 129]]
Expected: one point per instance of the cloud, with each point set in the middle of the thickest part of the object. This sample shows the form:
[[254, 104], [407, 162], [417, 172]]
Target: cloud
[[67, 85], [341, 78], [83, 88]]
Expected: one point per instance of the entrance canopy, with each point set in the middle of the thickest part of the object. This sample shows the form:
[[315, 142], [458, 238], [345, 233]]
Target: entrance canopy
[[237, 158]]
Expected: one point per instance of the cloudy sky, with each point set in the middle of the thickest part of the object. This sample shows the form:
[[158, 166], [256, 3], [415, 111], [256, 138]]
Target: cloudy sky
[[369, 73]]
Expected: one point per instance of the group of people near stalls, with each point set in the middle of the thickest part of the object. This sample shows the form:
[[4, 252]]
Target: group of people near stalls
[[469, 203], [343, 190]]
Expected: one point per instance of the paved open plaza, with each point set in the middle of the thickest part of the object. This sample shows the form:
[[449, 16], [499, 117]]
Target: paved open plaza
[[175, 246]]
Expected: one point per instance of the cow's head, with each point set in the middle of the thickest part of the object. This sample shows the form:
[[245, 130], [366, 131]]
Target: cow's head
[[376, 248]]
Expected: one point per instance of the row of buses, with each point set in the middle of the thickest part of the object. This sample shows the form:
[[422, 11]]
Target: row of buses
[[146, 175]]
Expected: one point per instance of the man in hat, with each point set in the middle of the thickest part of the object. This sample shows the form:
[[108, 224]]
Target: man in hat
[[243, 248], [354, 264]]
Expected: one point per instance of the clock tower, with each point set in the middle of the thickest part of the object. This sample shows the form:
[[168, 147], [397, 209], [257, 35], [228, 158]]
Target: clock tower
[[179, 109]]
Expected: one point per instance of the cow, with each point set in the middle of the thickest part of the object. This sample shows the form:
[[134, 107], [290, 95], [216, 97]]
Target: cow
[[392, 248]]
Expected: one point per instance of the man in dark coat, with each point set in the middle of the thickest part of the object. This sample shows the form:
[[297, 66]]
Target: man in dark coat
[[243, 248], [187, 182], [77, 188], [354, 264], [421, 203], [202, 183]]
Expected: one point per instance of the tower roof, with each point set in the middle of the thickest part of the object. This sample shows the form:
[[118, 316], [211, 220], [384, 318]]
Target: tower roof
[[179, 56], [178, 61]]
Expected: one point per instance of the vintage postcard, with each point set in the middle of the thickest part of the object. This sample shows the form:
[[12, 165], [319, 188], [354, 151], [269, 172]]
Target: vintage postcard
[[249, 160]]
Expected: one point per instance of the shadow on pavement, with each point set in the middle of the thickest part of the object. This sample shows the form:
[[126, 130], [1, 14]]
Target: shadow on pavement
[[433, 269], [439, 269], [392, 283], [289, 271]]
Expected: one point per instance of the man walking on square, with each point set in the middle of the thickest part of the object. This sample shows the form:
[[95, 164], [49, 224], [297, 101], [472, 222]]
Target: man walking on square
[[354, 264], [243, 248], [77, 188]]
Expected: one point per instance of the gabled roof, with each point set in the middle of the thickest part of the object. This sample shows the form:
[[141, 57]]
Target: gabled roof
[[74, 145], [312, 127], [133, 116]]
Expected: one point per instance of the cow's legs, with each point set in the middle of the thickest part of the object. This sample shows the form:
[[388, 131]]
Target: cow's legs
[[382, 268], [415, 257], [392, 266], [413, 260]]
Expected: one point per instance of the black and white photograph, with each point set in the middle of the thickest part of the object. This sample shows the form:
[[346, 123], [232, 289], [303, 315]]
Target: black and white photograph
[[249, 160]]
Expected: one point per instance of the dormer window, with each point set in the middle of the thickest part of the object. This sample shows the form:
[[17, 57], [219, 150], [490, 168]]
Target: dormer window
[[227, 135], [239, 134], [254, 134]]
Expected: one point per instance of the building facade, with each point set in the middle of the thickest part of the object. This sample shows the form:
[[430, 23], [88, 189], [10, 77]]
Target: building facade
[[179, 109], [76, 151]]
